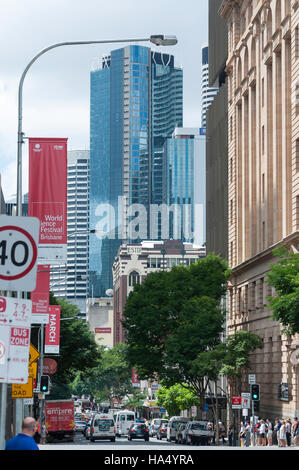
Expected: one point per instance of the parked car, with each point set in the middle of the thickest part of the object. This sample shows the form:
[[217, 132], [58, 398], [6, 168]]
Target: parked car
[[155, 425], [197, 432], [173, 425], [180, 436], [138, 431], [80, 426], [162, 431]]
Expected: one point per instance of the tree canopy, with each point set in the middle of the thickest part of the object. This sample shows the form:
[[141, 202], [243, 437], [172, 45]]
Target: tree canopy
[[172, 318], [176, 399], [78, 349], [284, 277]]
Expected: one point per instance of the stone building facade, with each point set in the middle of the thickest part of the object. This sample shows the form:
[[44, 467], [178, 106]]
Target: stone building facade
[[263, 179]]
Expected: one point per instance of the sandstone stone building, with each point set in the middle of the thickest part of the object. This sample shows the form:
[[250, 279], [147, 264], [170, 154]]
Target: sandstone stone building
[[263, 179]]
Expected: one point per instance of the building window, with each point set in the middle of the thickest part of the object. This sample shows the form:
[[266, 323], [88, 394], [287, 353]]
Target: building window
[[154, 262], [134, 278]]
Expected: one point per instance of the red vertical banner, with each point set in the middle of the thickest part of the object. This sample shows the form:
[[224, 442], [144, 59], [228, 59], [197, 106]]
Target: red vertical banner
[[135, 378], [47, 198], [40, 296], [52, 336]]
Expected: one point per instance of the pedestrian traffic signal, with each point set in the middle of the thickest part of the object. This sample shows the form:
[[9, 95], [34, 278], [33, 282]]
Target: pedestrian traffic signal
[[44, 383], [255, 392]]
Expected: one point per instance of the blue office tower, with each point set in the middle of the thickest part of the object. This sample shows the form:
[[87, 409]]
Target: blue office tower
[[136, 102]]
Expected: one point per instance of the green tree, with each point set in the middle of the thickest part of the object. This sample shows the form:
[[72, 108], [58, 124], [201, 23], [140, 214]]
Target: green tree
[[284, 277], [78, 349], [176, 399], [110, 378], [236, 362], [172, 318]]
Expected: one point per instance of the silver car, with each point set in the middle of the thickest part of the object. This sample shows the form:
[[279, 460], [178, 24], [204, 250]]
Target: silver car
[[80, 426]]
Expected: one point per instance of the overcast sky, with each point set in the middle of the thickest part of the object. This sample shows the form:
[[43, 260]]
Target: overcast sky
[[56, 89]]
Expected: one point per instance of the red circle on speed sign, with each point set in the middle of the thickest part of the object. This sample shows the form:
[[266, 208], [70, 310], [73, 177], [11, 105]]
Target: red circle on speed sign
[[34, 253]]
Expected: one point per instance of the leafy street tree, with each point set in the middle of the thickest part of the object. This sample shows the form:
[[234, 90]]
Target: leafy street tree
[[172, 318], [176, 399], [110, 378], [236, 361], [78, 349], [284, 277]]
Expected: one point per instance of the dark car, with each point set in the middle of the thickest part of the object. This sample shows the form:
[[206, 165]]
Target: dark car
[[138, 431], [162, 431]]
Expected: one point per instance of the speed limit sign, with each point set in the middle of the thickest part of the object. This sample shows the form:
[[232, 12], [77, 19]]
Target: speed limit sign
[[18, 253]]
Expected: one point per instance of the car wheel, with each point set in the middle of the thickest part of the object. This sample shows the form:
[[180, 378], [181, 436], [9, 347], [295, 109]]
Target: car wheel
[[92, 439], [112, 439]]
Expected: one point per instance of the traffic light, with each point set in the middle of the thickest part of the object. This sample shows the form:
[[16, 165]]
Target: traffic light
[[255, 392], [44, 383]]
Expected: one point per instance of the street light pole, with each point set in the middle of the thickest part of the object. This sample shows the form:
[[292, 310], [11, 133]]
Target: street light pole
[[158, 40]]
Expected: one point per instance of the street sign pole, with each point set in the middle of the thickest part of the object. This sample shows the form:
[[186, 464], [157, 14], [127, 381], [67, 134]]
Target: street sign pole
[[253, 423], [3, 414]]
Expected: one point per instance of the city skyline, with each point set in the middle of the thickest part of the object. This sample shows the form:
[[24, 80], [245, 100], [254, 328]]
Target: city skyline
[[56, 92]]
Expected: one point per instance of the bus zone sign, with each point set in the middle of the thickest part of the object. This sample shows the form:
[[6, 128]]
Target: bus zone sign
[[15, 326]]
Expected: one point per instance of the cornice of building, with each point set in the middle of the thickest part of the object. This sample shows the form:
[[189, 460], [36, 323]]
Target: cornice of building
[[291, 242], [227, 7]]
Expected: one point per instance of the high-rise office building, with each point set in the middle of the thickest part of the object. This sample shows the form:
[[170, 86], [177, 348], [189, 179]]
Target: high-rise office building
[[72, 284], [217, 136], [184, 188], [207, 92], [136, 102]]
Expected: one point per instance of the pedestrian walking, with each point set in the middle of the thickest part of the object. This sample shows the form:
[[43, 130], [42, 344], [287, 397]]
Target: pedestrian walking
[[277, 427], [24, 440], [222, 432], [262, 433], [296, 437], [282, 434], [247, 434], [230, 434], [269, 432], [37, 434], [242, 433], [295, 426], [288, 432]]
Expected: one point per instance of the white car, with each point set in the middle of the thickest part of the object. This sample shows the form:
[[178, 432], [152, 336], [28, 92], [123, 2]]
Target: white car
[[197, 433], [102, 427], [80, 426]]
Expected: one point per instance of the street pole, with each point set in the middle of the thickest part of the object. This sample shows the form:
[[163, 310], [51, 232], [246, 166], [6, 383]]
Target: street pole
[[3, 415], [253, 423]]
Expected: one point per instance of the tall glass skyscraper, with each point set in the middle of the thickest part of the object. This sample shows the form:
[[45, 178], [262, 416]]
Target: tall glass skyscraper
[[207, 93], [136, 102], [184, 188]]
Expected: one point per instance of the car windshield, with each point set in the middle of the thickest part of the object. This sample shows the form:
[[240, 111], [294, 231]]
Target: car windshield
[[139, 426], [175, 424], [129, 417], [198, 426], [106, 422]]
